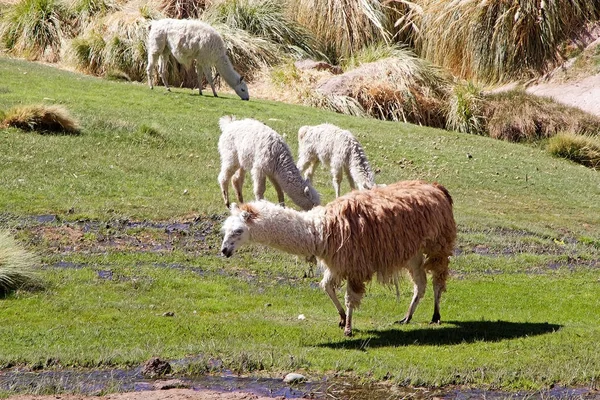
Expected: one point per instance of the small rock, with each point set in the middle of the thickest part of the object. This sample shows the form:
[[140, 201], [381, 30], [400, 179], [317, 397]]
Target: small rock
[[169, 314], [170, 384], [156, 367], [301, 317], [293, 377]]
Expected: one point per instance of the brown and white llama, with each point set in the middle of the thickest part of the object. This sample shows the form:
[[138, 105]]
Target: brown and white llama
[[406, 225]]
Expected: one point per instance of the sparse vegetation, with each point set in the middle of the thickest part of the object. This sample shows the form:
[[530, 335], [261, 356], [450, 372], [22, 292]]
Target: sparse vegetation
[[42, 118]]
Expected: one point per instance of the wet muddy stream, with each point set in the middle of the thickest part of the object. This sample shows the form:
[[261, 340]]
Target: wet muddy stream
[[95, 382]]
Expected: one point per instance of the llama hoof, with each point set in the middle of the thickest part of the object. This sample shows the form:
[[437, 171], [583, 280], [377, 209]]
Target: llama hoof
[[348, 332], [342, 323], [403, 321], [435, 322]]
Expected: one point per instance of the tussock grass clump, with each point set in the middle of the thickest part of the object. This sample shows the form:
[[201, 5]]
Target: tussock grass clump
[[35, 29], [582, 149], [16, 266], [340, 104], [402, 88], [265, 19], [42, 118], [518, 116], [183, 9], [115, 42], [497, 40], [248, 53], [464, 112], [343, 27]]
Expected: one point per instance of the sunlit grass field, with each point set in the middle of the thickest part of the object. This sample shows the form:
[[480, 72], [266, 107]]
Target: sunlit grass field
[[522, 302]]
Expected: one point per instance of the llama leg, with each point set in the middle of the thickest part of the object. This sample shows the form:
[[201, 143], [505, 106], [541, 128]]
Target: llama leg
[[162, 67], [199, 74], [237, 180], [227, 171], [354, 293], [280, 197], [152, 60], [439, 269], [337, 180], [417, 273], [260, 183], [350, 180], [329, 284], [208, 73]]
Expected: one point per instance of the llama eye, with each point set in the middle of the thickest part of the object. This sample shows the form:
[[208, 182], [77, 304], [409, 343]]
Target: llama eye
[[238, 232]]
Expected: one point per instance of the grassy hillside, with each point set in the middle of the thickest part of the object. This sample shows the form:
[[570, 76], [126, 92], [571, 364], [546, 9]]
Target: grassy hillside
[[519, 304], [140, 150]]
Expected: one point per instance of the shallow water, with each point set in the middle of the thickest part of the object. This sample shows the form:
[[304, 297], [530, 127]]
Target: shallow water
[[95, 382]]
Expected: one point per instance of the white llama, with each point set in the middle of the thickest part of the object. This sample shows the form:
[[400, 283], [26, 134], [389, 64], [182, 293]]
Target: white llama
[[190, 40], [360, 235], [338, 149], [249, 145]]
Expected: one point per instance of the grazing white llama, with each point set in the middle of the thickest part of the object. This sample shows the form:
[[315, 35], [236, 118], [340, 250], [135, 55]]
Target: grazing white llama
[[363, 234], [249, 145], [338, 149], [190, 40]]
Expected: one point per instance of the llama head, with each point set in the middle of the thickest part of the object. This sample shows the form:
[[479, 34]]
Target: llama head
[[242, 89], [311, 194], [235, 230]]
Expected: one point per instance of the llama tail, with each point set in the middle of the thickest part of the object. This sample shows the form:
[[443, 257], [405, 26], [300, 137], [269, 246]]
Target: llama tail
[[445, 191], [302, 131], [226, 120]]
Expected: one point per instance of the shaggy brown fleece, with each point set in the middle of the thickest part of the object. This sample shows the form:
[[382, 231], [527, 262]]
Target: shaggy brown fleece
[[378, 231]]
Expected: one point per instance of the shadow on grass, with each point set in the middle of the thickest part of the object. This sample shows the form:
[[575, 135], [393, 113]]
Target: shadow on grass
[[450, 333]]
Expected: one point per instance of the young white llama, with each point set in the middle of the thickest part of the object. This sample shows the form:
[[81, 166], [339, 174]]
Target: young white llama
[[190, 40], [360, 235], [249, 145], [339, 150]]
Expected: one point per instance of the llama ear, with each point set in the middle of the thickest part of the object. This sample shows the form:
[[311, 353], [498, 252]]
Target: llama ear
[[241, 78], [307, 191]]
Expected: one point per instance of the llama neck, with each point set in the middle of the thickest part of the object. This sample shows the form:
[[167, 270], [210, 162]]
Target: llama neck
[[225, 69], [361, 170], [288, 230], [290, 180]]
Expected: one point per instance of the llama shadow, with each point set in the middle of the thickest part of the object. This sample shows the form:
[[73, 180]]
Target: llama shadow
[[450, 333]]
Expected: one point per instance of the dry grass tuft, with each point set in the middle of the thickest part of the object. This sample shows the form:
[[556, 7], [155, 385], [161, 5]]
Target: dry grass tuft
[[16, 266], [183, 9], [495, 40], [517, 116], [343, 26], [42, 118], [582, 149]]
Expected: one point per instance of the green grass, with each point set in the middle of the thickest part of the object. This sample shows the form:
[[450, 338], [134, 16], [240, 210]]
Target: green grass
[[518, 314]]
